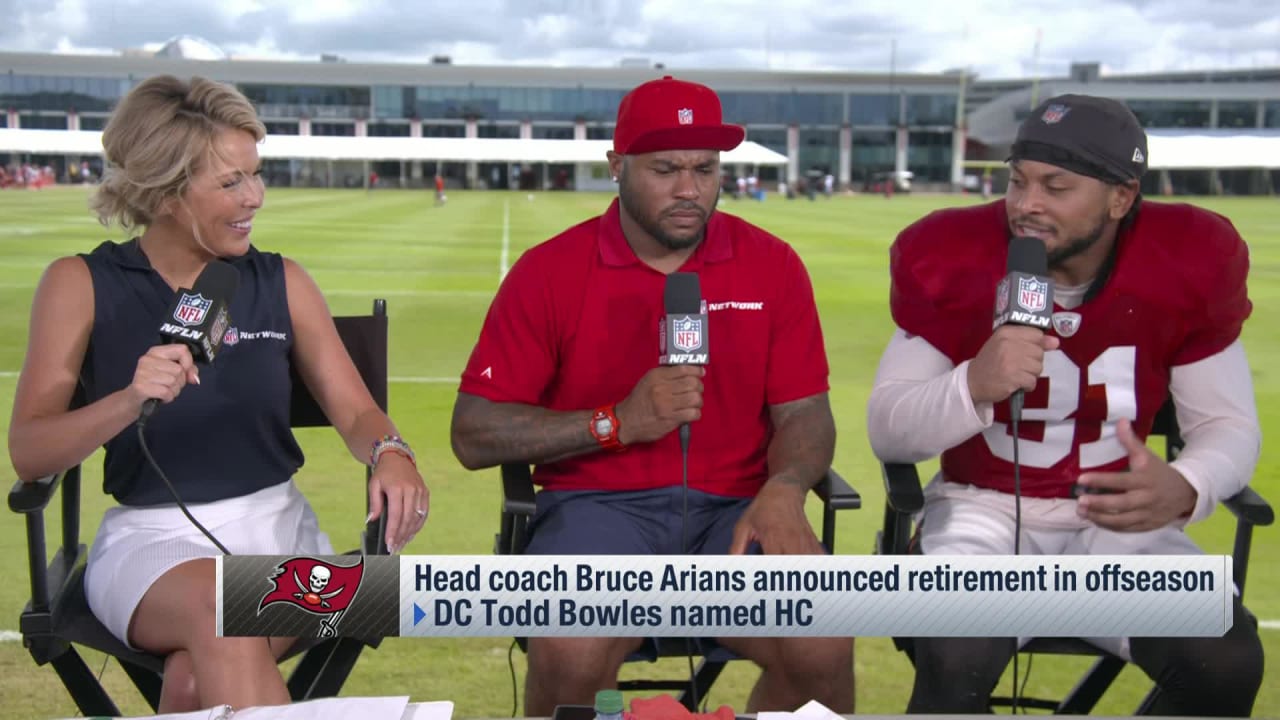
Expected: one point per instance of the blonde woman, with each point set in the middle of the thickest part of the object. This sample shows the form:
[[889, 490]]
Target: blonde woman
[[183, 169]]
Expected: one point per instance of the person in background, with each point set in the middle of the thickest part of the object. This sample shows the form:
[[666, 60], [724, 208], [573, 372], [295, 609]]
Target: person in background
[[441, 199]]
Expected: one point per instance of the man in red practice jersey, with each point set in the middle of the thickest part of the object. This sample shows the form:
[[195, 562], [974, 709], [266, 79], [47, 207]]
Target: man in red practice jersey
[[1149, 301]]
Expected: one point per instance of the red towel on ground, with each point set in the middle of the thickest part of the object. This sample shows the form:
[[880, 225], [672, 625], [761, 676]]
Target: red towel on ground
[[666, 707]]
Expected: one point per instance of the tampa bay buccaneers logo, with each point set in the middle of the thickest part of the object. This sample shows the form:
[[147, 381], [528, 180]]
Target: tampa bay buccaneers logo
[[316, 587]]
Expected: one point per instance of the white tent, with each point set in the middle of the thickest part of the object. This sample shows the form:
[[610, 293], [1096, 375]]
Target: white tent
[[316, 147], [1212, 149], [50, 142]]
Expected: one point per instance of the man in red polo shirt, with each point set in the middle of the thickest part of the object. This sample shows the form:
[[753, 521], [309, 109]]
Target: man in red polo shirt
[[565, 376]]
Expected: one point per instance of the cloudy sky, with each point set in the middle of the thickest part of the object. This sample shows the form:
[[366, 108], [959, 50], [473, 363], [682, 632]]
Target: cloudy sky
[[996, 38]]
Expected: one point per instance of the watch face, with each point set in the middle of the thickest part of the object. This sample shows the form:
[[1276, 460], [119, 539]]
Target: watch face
[[604, 426]]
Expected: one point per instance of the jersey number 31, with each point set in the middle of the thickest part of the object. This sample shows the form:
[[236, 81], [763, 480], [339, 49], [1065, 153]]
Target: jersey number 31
[[1114, 370]]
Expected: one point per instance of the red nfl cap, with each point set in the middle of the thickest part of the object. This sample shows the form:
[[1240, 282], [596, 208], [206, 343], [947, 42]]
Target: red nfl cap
[[670, 114]]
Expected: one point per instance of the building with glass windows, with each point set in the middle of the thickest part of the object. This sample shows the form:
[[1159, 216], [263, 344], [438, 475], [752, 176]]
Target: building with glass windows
[[852, 125], [855, 126], [1195, 110]]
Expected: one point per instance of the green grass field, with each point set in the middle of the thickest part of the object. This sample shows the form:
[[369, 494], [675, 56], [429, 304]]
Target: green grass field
[[438, 269]]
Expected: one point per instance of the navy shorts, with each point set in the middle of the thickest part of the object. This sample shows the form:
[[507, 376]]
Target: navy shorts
[[642, 522]]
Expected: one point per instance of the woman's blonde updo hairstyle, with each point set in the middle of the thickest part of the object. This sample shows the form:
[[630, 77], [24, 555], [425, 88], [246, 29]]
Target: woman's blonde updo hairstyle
[[159, 136]]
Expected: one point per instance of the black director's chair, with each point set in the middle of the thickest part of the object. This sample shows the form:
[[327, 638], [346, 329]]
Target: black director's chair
[[518, 508], [904, 498]]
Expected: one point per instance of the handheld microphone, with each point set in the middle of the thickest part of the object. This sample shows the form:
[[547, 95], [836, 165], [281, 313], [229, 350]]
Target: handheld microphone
[[1025, 295], [683, 333], [684, 328], [199, 317]]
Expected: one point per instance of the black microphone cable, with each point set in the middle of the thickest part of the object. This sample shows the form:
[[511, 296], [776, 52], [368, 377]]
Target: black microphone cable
[[684, 488], [1015, 412], [146, 451], [511, 665], [684, 545]]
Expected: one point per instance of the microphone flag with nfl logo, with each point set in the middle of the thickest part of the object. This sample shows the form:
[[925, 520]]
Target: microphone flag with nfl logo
[[682, 332]]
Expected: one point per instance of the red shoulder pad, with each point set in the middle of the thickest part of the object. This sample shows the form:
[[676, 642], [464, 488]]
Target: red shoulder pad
[[1207, 265], [944, 269]]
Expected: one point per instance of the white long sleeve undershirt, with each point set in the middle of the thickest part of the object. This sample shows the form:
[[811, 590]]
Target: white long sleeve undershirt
[[920, 406]]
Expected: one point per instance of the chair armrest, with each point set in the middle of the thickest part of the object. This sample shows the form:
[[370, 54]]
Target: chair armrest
[[29, 497], [517, 509], [1248, 506], [836, 493], [902, 487], [517, 489]]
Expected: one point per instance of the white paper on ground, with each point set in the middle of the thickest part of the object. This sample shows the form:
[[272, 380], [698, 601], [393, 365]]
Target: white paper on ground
[[373, 708], [441, 710], [812, 710]]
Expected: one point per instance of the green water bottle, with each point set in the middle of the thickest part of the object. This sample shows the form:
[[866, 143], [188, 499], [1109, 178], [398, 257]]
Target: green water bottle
[[608, 705]]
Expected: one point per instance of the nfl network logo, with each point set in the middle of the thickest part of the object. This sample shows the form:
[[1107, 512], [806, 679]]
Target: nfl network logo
[[1054, 113], [1033, 294], [191, 309], [687, 334], [685, 116]]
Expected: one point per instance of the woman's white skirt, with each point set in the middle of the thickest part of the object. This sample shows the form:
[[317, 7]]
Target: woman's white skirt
[[136, 545]]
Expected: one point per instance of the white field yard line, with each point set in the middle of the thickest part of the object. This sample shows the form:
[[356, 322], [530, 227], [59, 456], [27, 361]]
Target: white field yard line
[[505, 256], [411, 293]]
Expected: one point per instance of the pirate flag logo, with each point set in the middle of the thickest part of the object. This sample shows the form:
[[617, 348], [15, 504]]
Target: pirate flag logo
[[315, 587]]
